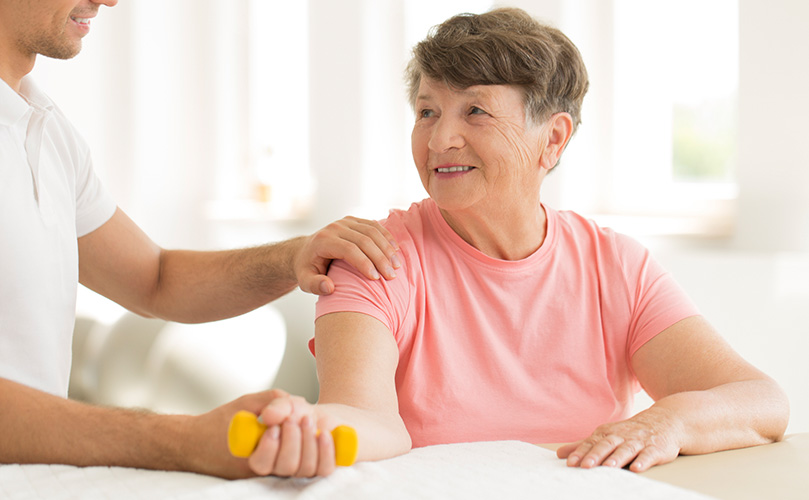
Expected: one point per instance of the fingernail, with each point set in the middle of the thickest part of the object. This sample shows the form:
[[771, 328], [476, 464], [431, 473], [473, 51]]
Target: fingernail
[[374, 274], [574, 460], [588, 463], [390, 272], [275, 432], [324, 287], [393, 244], [395, 261]]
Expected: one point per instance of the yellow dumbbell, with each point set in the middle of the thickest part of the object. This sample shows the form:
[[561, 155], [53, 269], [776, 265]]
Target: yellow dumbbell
[[245, 430]]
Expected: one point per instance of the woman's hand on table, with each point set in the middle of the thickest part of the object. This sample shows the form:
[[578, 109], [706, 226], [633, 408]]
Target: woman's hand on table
[[641, 442]]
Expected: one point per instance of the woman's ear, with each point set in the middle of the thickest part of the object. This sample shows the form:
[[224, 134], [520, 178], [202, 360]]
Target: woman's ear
[[558, 130]]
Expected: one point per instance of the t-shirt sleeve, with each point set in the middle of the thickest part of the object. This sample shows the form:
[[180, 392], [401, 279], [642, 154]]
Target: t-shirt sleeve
[[658, 300], [355, 293], [94, 204], [385, 300]]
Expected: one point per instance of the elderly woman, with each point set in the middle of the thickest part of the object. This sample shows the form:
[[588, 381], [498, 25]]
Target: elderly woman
[[509, 319]]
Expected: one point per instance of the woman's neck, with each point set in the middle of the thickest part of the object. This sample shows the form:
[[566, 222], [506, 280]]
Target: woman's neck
[[507, 232]]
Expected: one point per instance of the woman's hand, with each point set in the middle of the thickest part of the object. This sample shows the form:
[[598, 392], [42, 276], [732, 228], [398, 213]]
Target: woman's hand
[[202, 443], [643, 441], [364, 244], [292, 446]]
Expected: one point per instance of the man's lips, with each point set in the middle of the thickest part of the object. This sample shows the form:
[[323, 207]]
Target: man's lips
[[83, 18]]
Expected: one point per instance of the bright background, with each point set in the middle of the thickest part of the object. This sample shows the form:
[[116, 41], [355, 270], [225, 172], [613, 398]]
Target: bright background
[[221, 125]]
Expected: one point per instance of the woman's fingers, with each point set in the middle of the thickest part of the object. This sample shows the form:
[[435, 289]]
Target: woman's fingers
[[309, 449], [599, 451], [292, 446], [326, 454], [634, 443], [262, 461], [289, 454]]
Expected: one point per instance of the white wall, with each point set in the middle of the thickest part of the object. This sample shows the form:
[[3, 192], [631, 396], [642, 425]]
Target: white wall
[[774, 105]]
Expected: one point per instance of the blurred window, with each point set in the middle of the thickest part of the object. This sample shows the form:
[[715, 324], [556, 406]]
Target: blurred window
[[675, 107], [278, 112]]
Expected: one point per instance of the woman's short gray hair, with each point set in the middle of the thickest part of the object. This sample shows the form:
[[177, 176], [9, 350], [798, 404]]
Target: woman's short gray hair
[[504, 47]]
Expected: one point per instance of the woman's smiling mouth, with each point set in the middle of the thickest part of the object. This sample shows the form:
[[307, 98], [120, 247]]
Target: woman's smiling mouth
[[453, 169]]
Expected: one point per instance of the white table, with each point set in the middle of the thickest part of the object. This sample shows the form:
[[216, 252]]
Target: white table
[[771, 472]]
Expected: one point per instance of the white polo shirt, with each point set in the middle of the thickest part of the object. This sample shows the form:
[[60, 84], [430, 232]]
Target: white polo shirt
[[49, 196]]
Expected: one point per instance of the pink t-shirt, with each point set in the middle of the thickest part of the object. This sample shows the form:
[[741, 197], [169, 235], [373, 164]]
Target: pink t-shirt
[[536, 350]]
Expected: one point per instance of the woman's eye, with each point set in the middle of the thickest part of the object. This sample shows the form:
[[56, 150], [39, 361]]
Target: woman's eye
[[425, 113], [474, 110]]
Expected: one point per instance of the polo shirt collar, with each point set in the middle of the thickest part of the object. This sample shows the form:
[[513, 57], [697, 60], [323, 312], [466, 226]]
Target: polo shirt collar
[[13, 106]]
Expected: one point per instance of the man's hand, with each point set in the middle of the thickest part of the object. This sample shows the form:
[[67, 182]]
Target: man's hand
[[364, 244]]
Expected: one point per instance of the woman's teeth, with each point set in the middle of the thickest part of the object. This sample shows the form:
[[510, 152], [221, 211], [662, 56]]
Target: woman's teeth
[[448, 170]]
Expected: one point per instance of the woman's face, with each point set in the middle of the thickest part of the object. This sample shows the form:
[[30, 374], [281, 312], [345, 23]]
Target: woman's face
[[472, 147]]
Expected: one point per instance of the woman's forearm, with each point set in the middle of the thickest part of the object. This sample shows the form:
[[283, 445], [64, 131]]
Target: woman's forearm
[[733, 415], [380, 435]]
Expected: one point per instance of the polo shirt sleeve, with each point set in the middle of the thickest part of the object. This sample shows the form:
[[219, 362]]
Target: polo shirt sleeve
[[94, 204]]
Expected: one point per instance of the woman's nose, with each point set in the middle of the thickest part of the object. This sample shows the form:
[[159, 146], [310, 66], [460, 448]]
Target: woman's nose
[[446, 135]]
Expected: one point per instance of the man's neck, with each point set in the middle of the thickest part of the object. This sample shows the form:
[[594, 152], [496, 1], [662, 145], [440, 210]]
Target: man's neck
[[14, 67]]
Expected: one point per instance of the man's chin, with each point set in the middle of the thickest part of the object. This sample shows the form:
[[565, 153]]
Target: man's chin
[[61, 51]]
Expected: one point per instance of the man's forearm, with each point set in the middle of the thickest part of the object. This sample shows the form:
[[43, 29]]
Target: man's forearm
[[42, 428], [195, 287]]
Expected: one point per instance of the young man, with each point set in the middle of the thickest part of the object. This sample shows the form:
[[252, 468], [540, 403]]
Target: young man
[[60, 227]]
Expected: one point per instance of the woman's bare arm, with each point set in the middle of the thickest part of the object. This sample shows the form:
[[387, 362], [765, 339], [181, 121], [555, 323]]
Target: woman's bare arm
[[707, 398], [356, 363]]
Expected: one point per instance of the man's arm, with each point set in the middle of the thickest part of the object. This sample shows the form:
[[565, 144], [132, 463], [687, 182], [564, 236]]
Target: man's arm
[[356, 362], [707, 398], [42, 428], [119, 261]]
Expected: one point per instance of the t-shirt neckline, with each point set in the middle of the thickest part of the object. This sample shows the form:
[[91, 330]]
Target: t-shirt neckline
[[449, 235]]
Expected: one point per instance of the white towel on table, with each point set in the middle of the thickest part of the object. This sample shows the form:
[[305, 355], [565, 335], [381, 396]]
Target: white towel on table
[[499, 470]]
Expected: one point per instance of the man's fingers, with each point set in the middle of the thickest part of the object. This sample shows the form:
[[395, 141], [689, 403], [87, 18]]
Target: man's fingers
[[382, 237]]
